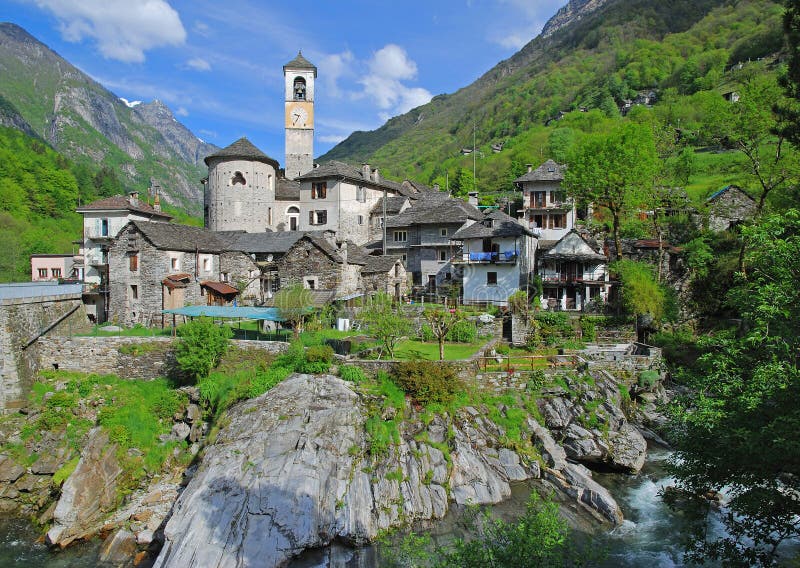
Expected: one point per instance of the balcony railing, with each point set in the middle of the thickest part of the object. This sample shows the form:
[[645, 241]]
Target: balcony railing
[[506, 257]]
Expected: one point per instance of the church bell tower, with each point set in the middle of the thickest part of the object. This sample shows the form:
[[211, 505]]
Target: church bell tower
[[299, 75]]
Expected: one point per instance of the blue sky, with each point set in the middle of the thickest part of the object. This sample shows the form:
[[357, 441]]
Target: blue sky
[[218, 63]]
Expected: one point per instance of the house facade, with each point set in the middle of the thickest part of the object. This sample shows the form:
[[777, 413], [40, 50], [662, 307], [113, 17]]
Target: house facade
[[48, 267], [550, 214], [574, 273], [728, 207], [102, 220], [496, 256]]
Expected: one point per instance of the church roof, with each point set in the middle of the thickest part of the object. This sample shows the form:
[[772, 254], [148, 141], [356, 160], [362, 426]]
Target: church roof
[[243, 149], [300, 62], [549, 171]]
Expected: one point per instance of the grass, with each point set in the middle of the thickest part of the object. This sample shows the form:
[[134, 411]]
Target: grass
[[415, 349], [135, 331]]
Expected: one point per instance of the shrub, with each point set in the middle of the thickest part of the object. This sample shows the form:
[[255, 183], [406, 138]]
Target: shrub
[[426, 333], [518, 303], [463, 332], [588, 329], [202, 345], [352, 374], [428, 381], [318, 359], [551, 328], [648, 379], [502, 349]]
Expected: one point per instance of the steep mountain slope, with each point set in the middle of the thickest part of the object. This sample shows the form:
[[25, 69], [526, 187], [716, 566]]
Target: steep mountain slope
[[86, 122], [595, 54]]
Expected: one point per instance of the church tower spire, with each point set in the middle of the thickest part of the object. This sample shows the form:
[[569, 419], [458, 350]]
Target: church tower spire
[[299, 75]]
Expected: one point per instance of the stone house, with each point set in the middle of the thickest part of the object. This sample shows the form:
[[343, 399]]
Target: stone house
[[158, 266], [421, 236], [550, 214], [496, 255], [384, 274], [573, 271], [728, 207], [320, 263], [102, 220]]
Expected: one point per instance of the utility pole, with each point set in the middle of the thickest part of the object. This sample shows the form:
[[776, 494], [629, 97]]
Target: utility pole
[[474, 179], [384, 220]]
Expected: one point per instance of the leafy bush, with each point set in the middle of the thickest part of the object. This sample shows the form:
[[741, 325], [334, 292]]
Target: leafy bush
[[588, 329], [549, 328], [518, 303], [202, 345], [428, 381], [426, 333], [318, 359], [381, 435], [352, 374], [502, 348], [463, 332], [648, 379]]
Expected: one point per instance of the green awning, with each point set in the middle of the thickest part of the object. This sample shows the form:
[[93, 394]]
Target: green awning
[[243, 312]]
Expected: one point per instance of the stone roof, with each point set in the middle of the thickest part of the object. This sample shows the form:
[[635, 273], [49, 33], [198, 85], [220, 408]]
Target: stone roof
[[300, 62], [394, 204], [573, 246], [122, 203], [265, 243], [287, 190], [549, 171], [357, 254], [171, 236], [337, 169], [494, 224], [717, 194], [435, 210], [243, 149], [380, 264]]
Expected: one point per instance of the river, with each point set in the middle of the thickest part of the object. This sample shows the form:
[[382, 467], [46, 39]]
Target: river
[[649, 537]]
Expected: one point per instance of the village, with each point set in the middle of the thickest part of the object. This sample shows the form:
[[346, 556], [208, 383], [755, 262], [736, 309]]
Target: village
[[343, 233]]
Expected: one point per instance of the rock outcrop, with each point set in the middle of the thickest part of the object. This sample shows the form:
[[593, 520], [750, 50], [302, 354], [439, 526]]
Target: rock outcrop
[[88, 494], [586, 419], [290, 471]]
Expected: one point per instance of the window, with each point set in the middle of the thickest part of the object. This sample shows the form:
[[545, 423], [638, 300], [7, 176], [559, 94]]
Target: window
[[443, 232], [538, 198], [491, 278], [361, 194], [42, 273], [133, 262], [56, 272], [275, 284], [311, 283], [134, 292], [442, 255], [173, 263], [360, 219], [238, 178], [299, 89], [403, 257], [224, 277], [318, 217], [558, 221], [206, 265], [319, 190], [397, 271], [400, 236], [104, 227]]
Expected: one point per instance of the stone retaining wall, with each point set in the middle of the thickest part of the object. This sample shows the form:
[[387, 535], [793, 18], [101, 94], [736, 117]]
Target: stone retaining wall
[[126, 357], [21, 321]]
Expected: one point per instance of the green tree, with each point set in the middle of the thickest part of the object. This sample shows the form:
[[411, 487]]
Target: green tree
[[740, 429], [294, 303], [641, 294], [789, 111], [441, 322], [385, 323], [614, 170], [201, 347]]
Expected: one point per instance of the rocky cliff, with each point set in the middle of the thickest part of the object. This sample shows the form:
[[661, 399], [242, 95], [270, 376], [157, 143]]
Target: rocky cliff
[[572, 12], [85, 121], [291, 471]]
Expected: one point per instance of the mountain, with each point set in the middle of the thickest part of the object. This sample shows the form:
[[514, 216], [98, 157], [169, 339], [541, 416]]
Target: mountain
[[43, 94], [593, 54]]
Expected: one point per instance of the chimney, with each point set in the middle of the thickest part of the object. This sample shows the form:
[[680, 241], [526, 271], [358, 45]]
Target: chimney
[[365, 171], [330, 236], [376, 176], [133, 198], [157, 203], [472, 198], [530, 167], [343, 250]]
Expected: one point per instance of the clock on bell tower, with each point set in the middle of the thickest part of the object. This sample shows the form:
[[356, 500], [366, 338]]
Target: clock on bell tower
[[299, 75]]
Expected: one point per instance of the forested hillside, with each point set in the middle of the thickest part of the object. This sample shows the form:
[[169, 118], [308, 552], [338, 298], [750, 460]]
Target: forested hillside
[[684, 52], [39, 191]]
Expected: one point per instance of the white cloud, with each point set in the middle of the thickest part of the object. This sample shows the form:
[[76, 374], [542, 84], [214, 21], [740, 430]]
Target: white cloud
[[182, 111], [333, 67], [199, 64], [201, 28], [522, 21], [123, 30], [388, 67]]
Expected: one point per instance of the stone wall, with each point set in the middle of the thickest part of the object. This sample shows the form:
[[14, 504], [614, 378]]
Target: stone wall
[[304, 260], [21, 320], [241, 268], [126, 357]]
